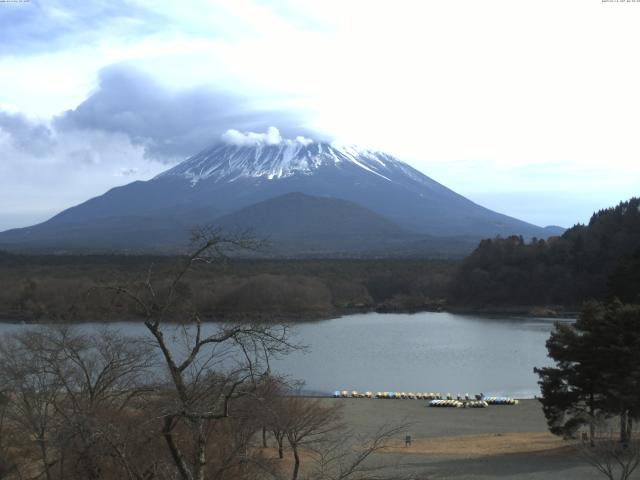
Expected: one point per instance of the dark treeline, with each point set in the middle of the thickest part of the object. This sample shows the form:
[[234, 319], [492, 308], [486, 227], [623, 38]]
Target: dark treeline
[[600, 260], [61, 288]]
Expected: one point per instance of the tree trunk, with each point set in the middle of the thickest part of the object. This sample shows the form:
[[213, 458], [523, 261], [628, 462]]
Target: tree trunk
[[296, 465], [279, 439], [62, 458], [200, 453], [624, 437], [45, 457], [176, 454], [264, 437], [592, 426]]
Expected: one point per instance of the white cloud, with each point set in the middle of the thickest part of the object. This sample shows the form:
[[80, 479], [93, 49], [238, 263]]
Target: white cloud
[[270, 137], [273, 136], [234, 137], [303, 140]]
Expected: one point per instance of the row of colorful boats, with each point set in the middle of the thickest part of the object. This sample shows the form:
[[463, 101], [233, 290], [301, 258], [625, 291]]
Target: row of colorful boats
[[436, 400], [387, 395], [500, 400], [459, 403]]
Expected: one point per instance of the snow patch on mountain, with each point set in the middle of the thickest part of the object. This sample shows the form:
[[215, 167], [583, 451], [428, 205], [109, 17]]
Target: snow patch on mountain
[[270, 156]]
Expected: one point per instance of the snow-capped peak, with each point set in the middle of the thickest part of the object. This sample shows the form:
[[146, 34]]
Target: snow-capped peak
[[269, 156]]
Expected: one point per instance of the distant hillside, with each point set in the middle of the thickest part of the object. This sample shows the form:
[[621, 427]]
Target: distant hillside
[[600, 260], [132, 233], [226, 179], [300, 224], [293, 224], [299, 215]]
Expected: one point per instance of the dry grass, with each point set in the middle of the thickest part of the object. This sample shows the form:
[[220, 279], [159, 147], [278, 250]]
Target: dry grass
[[480, 445], [285, 465]]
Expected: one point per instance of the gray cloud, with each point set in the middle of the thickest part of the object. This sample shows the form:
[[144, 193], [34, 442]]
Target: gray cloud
[[129, 129], [45, 25], [32, 137], [44, 170], [171, 124]]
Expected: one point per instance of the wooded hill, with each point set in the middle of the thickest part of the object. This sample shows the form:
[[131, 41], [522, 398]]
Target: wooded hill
[[600, 260]]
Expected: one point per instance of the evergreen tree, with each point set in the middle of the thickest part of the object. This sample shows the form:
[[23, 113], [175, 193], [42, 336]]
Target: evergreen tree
[[597, 372], [618, 331]]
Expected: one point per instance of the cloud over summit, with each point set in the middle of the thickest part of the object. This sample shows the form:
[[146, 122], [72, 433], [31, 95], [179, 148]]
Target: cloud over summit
[[172, 124], [129, 128], [270, 137]]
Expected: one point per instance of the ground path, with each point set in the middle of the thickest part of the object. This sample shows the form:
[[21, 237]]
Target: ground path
[[504, 442]]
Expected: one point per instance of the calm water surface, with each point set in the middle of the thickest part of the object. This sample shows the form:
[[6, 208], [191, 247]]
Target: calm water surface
[[427, 352]]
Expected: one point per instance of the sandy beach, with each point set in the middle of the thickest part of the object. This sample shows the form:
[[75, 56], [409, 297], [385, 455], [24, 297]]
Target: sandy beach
[[506, 442]]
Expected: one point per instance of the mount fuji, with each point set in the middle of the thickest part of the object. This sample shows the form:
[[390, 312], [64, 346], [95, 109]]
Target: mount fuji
[[307, 196]]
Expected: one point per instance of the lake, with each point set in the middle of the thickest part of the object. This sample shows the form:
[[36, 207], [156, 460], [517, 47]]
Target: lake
[[426, 352]]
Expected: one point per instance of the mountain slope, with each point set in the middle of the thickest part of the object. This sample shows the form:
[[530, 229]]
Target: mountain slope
[[133, 233], [300, 224], [238, 176], [299, 215], [296, 223], [229, 177]]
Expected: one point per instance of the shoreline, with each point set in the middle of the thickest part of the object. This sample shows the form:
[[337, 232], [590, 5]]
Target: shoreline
[[12, 317], [553, 311]]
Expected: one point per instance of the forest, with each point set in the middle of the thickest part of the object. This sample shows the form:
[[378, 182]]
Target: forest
[[600, 260], [63, 288]]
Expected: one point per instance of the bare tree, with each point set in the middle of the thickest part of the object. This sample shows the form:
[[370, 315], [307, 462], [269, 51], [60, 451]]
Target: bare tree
[[102, 374], [308, 423], [6, 465], [274, 411], [276, 417], [214, 366], [267, 394], [344, 454], [69, 391], [32, 392], [613, 459], [314, 430]]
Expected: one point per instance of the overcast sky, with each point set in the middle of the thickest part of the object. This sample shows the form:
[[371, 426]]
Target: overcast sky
[[531, 108]]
